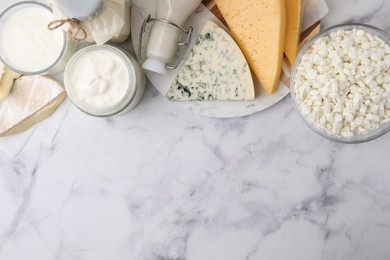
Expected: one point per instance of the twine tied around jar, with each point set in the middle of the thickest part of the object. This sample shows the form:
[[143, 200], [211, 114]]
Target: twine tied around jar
[[74, 23]]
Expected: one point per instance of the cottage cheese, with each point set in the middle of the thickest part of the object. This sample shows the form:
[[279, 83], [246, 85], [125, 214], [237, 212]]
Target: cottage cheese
[[342, 83]]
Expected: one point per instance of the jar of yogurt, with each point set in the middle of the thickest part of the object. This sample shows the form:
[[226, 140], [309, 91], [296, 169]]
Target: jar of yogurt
[[104, 80], [27, 45]]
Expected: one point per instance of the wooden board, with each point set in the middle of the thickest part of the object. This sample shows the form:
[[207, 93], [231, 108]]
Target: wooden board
[[210, 4], [305, 36]]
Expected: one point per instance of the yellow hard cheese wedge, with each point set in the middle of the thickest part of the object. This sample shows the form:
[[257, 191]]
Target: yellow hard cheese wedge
[[293, 22], [258, 26], [7, 78], [32, 99]]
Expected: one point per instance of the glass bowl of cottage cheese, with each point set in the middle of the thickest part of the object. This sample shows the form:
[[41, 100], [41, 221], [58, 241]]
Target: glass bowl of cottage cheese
[[340, 83]]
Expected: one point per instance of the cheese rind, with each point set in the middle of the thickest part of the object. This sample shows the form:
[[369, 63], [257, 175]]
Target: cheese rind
[[293, 23], [7, 78], [215, 69], [32, 99], [258, 26]]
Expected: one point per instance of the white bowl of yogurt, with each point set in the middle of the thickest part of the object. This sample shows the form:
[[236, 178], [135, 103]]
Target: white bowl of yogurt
[[27, 45], [104, 80]]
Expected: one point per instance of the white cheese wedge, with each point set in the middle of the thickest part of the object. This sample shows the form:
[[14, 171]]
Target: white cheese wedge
[[7, 78], [215, 69], [32, 99]]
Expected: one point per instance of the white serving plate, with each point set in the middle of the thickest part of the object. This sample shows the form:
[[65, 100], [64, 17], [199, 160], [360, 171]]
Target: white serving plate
[[219, 109]]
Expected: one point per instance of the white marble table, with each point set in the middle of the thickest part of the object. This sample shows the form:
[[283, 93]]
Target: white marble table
[[163, 184]]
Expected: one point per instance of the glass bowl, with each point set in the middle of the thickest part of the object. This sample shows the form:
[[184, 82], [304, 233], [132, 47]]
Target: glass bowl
[[357, 138], [77, 90], [27, 52]]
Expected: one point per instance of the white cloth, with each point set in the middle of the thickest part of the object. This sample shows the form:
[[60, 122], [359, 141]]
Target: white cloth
[[313, 11], [107, 25]]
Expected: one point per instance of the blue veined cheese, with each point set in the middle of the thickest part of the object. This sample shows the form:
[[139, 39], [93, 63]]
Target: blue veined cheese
[[215, 69]]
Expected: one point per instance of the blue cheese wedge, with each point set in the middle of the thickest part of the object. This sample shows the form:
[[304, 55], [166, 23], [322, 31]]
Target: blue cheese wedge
[[215, 69]]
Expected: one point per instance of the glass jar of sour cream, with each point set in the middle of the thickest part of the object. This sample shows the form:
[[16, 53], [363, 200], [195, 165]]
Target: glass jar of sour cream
[[104, 80], [27, 45]]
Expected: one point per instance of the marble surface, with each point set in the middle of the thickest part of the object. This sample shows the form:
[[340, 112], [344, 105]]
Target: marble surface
[[161, 183]]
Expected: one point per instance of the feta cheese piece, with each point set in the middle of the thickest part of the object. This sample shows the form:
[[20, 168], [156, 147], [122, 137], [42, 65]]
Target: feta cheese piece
[[215, 69], [342, 83]]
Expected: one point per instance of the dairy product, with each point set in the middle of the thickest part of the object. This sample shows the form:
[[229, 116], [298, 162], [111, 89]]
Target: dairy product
[[258, 26], [342, 84], [100, 79], [214, 70], [32, 99], [293, 22], [27, 43], [103, 80], [162, 44], [2, 71], [112, 22], [7, 78]]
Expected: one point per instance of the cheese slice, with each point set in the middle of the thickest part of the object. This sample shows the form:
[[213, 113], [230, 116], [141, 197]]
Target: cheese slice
[[215, 69], [32, 99], [293, 22], [258, 26], [7, 78]]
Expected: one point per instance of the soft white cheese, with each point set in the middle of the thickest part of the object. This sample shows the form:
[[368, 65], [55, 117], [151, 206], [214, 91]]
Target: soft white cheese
[[342, 83], [2, 70], [32, 99], [100, 79]]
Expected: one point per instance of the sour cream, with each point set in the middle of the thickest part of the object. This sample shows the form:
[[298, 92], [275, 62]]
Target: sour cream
[[104, 80], [27, 45], [100, 79]]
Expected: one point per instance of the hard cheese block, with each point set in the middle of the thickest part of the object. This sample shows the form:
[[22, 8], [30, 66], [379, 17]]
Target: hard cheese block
[[258, 26], [7, 78], [293, 22], [32, 99], [215, 69]]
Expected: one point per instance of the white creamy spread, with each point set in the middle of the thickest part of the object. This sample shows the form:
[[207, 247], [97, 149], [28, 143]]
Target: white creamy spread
[[100, 79], [28, 43]]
